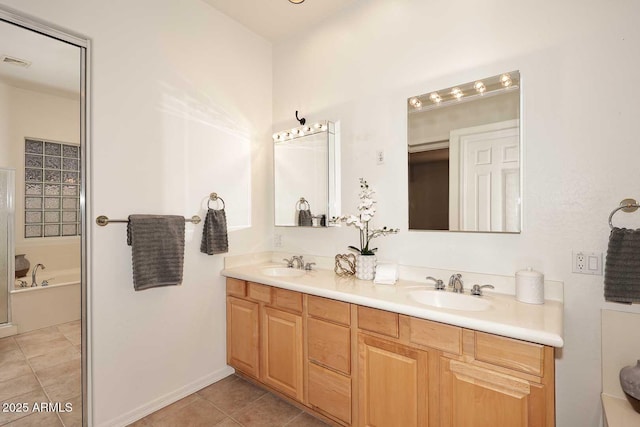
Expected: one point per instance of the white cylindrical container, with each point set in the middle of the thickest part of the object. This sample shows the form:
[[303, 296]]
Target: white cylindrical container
[[530, 286]]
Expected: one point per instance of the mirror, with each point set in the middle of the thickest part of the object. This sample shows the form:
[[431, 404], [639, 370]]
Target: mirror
[[306, 175], [42, 142], [464, 156]]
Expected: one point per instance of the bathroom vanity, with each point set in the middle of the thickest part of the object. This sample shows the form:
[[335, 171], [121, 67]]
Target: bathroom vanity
[[366, 355]]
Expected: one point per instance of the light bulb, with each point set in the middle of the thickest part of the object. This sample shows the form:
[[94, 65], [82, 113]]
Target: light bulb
[[295, 131], [317, 125], [456, 92], [307, 129], [435, 97], [276, 137], [480, 87], [323, 127], [505, 79]]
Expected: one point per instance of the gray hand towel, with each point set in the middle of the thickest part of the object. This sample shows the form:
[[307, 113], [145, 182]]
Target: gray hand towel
[[214, 233], [622, 267], [305, 219], [157, 248]]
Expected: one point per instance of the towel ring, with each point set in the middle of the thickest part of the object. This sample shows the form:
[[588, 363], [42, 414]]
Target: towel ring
[[213, 197], [627, 205], [300, 205]]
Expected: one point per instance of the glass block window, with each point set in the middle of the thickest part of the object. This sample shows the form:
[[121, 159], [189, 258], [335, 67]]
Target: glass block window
[[52, 189]]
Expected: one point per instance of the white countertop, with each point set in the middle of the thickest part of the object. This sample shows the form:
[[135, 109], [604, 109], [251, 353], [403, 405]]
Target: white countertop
[[619, 412], [507, 317]]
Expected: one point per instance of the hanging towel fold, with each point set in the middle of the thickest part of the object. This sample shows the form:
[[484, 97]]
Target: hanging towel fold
[[305, 219], [622, 267], [157, 248], [214, 233]]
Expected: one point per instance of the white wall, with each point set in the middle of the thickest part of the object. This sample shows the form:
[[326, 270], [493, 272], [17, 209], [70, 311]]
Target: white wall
[[36, 114], [181, 107], [578, 62]]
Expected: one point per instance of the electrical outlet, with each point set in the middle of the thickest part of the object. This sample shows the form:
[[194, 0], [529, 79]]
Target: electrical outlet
[[380, 157], [277, 240], [587, 262]]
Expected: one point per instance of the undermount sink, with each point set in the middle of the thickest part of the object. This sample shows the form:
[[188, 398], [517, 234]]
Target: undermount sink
[[450, 300], [282, 272]]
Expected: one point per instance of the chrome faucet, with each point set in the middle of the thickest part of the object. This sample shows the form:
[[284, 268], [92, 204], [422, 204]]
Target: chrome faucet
[[477, 289], [439, 284], [297, 260], [34, 282], [455, 282]]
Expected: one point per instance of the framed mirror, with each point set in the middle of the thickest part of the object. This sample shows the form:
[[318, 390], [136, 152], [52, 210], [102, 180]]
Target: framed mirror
[[306, 175], [43, 142], [464, 155]]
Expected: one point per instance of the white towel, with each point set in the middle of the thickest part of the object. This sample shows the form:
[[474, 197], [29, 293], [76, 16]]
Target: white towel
[[386, 274]]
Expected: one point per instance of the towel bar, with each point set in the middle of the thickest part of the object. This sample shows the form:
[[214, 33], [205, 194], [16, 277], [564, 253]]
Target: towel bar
[[627, 205], [103, 220]]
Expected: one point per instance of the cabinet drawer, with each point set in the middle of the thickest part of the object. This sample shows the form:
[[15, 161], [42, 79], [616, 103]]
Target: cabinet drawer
[[518, 355], [288, 300], [259, 292], [330, 392], [380, 321], [328, 309], [329, 345], [237, 288], [436, 335]]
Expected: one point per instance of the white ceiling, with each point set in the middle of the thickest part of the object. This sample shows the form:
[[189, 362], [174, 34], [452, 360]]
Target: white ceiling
[[278, 19], [55, 65]]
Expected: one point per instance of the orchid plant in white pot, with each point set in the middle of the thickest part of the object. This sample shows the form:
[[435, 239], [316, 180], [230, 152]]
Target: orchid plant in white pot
[[366, 260]]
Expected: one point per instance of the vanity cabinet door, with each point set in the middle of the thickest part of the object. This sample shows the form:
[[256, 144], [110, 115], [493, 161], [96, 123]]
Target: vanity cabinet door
[[282, 353], [393, 381], [243, 335], [473, 396]]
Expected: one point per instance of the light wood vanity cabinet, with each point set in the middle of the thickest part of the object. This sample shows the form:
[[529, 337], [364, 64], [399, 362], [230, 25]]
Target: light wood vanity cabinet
[[354, 365], [264, 335], [282, 351], [393, 383], [500, 381]]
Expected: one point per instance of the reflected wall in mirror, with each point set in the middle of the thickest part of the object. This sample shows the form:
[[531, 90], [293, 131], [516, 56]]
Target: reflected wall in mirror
[[306, 175], [41, 130], [464, 157]]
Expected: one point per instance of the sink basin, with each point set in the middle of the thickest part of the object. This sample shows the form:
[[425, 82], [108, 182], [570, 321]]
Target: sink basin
[[450, 300], [282, 272]]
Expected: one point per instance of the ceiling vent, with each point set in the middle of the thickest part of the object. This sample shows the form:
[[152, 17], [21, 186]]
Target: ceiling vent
[[6, 59]]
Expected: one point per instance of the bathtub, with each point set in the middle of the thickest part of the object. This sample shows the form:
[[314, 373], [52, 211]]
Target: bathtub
[[43, 306]]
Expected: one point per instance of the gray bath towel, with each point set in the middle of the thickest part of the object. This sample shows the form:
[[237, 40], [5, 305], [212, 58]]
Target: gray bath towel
[[214, 233], [305, 219], [622, 268], [157, 248]]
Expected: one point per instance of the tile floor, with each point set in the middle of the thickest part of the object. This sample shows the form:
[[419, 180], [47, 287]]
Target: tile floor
[[41, 366], [231, 402]]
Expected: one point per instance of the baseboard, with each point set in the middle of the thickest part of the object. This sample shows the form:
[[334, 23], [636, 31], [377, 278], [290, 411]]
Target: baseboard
[[8, 330], [167, 399]]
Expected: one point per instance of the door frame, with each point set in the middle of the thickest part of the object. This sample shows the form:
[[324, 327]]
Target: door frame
[[28, 22]]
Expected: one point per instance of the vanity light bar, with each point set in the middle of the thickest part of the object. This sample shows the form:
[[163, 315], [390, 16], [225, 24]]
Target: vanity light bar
[[301, 131], [486, 87]]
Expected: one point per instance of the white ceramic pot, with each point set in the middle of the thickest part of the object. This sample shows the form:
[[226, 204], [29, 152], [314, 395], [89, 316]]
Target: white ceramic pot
[[366, 267]]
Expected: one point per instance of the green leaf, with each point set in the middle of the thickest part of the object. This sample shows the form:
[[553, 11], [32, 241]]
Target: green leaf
[[353, 248]]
